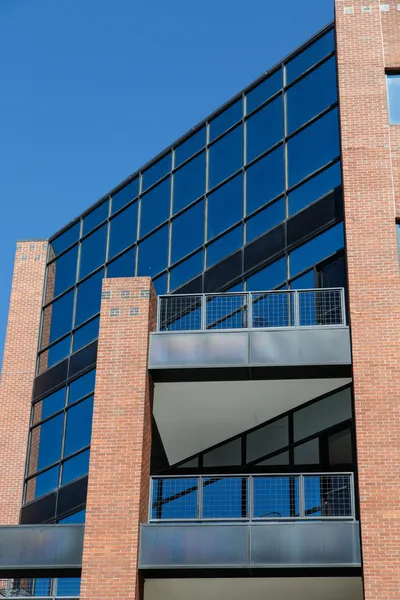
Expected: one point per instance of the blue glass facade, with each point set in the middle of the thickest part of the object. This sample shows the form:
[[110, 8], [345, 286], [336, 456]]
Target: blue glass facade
[[249, 199]]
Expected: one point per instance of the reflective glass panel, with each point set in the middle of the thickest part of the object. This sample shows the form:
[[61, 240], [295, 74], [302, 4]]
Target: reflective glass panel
[[225, 207], [42, 484], [263, 91], [78, 517], [86, 334], [82, 386], [65, 240], [123, 230], [156, 172], [317, 249], [94, 218], [226, 119], [79, 426], [89, 298], [226, 156], [153, 253], [264, 128], [306, 281], [124, 196], [267, 439], [189, 182], [54, 354], [309, 57], [187, 232], [47, 439], [68, 586], [224, 246], [307, 454], [186, 271], [315, 188], [93, 251], [266, 219], [225, 456], [190, 146], [268, 278], [160, 285], [265, 180], [61, 274], [155, 207], [313, 147], [322, 414], [75, 467], [123, 266], [49, 405], [393, 84], [59, 316], [311, 95]]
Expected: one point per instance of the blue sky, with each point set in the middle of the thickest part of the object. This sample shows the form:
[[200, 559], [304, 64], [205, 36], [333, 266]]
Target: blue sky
[[92, 89]]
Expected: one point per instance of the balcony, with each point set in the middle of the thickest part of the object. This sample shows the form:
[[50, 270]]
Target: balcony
[[251, 522]]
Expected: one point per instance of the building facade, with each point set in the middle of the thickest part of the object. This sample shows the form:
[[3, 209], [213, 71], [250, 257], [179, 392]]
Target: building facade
[[199, 390]]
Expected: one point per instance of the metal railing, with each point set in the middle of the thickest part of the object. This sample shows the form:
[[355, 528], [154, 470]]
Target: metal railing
[[41, 588], [273, 497], [252, 310]]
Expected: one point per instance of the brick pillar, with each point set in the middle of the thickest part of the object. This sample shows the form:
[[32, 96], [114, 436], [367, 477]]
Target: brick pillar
[[18, 372], [374, 282], [121, 441]]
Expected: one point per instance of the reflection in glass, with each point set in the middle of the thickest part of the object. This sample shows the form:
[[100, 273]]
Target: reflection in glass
[[82, 386], [124, 196], [225, 207], [46, 440], [60, 315], [42, 484], [265, 220], [309, 57], [155, 207], [156, 172], [264, 128], [268, 278], [160, 285], [153, 253], [61, 273], [265, 179], [88, 298], [64, 240], [54, 354], [123, 266], [68, 586], [189, 182], [187, 232], [86, 334], [75, 467], [305, 282], [263, 91], [317, 249], [190, 146], [186, 271], [78, 517], [315, 188], [224, 246], [49, 405], [393, 85], [93, 251], [123, 229], [226, 156], [94, 218], [226, 119], [79, 426], [268, 439]]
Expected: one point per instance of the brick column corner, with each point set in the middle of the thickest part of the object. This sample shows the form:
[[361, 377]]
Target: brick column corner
[[119, 471], [18, 372]]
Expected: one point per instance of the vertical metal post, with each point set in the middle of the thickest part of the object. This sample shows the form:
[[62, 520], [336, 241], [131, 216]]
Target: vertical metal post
[[352, 496], [149, 510], [251, 498], [200, 498], [296, 308], [158, 313], [343, 307], [250, 310], [54, 585], [203, 312], [301, 497]]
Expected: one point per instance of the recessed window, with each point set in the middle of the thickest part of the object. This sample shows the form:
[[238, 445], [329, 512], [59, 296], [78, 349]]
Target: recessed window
[[393, 85]]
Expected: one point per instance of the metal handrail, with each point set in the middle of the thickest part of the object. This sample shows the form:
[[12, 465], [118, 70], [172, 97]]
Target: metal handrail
[[298, 497]]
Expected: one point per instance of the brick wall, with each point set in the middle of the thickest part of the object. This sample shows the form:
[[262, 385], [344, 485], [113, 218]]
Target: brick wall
[[18, 373], [374, 280], [121, 442]]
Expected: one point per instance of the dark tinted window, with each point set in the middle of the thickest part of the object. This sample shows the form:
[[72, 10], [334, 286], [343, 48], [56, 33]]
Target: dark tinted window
[[82, 386], [79, 426], [268, 278], [78, 517], [75, 467], [123, 229], [48, 438], [310, 56], [156, 172], [188, 232], [155, 207], [226, 156], [42, 484], [56, 353], [265, 179], [317, 249], [86, 334], [93, 251], [186, 270], [311, 95], [124, 196], [225, 206], [266, 219], [315, 188], [190, 146], [264, 128], [89, 298], [94, 218], [313, 147], [60, 313], [62, 273], [226, 119], [153, 253], [64, 240], [123, 266], [263, 91], [224, 246], [189, 182]]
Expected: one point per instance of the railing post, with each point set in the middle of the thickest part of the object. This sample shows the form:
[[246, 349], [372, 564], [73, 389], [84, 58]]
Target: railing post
[[250, 499], [203, 312], [250, 310], [343, 307], [150, 507], [200, 498], [352, 496], [301, 497], [158, 325], [296, 307]]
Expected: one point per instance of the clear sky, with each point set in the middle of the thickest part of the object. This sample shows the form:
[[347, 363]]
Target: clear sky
[[92, 89]]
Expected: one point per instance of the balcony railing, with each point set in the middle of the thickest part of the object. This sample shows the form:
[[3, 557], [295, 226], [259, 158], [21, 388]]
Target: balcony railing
[[43, 588], [252, 310], [277, 497]]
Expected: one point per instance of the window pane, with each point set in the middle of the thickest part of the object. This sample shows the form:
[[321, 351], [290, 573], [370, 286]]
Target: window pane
[[156, 172], [226, 156], [265, 180], [310, 56], [321, 415], [225, 207], [86, 334], [313, 147], [93, 251], [269, 278], [46, 443], [307, 454], [266, 219], [89, 298], [393, 83], [188, 232], [226, 455], [61, 274], [49, 405], [224, 246], [263, 91], [155, 207], [317, 249], [264, 129], [82, 386], [124, 196], [75, 467], [42, 484], [160, 285], [54, 354], [153, 253], [314, 189], [68, 586], [305, 282], [64, 240], [226, 119], [123, 266], [79, 426], [311, 95], [189, 182], [78, 517], [59, 314], [94, 218], [186, 270], [123, 230], [267, 439], [190, 146]]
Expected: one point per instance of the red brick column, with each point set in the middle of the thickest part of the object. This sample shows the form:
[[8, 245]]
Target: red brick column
[[18, 372], [121, 442], [374, 282]]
